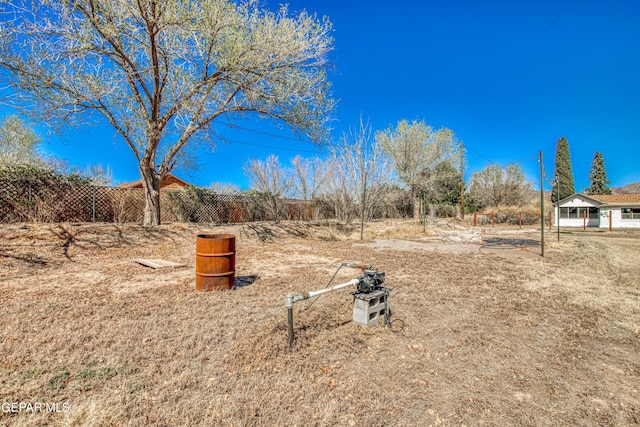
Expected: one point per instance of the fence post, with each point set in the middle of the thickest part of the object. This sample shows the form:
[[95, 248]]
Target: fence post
[[493, 219], [584, 221], [520, 220], [475, 217], [550, 220], [610, 220]]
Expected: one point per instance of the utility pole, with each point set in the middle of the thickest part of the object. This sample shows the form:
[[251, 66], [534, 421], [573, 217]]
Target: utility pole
[[462, 180], [364, 188], [541, 207], [558, 204], [364, 203]]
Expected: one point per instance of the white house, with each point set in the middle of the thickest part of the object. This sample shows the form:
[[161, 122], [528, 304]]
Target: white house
[[604, 211]]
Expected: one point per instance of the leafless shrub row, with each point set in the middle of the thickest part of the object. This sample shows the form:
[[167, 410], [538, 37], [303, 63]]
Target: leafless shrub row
[[510, 215]]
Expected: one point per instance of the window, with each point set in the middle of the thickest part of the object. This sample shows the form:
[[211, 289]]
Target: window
[[579, 213], [630, 213], [564, 212], [588, 212]]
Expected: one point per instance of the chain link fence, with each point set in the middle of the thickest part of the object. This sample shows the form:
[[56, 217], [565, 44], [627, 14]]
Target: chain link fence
[[22, 201]]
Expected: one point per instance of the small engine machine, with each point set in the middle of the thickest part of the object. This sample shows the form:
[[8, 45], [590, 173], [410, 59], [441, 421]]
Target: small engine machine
[[370, 281], [370, 299]]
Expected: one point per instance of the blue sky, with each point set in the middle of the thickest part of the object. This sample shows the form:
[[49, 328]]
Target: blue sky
[[509, 77]]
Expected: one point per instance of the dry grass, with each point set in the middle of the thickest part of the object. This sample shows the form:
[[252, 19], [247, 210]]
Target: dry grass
[[494, 335]]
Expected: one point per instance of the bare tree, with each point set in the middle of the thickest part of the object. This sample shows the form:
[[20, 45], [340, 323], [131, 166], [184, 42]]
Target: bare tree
[[357, 168], [98, 174], [271, 181], [308, 176], [224, 188], [162, 72], [497, 186], [416, 150]]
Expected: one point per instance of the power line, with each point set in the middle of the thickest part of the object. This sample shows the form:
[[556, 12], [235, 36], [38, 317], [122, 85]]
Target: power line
[[270, 146], [547, 178], [526, 158], [234, 126], [234, 141], [466, 147]]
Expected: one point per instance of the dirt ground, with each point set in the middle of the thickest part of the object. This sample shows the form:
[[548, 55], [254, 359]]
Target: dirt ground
[[494, 334]]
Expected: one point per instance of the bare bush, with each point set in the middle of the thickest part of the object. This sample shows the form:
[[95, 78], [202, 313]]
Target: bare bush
[[509, 215], [357, 170], [308, 176], [127, 205], [270, 183], [442, 210], [498, 186]]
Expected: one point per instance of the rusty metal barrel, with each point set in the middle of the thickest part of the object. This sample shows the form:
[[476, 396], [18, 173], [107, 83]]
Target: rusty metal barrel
[[215, 261]]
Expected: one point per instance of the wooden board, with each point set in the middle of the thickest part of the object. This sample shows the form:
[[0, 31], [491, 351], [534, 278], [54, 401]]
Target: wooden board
[[158, 263]]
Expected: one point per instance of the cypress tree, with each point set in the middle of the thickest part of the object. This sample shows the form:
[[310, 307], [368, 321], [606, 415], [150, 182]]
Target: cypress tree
[[563, 173], [598, 176]]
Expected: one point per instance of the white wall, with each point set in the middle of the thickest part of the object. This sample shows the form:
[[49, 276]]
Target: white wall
[[575, 222], [616, 219]]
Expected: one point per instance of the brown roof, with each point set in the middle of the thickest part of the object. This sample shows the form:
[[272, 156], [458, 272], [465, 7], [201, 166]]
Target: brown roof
[[616, 198], [170, 182]]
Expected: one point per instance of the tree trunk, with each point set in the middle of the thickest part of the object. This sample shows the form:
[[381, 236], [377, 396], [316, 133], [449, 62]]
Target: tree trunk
[[151, 187], [417, 204]]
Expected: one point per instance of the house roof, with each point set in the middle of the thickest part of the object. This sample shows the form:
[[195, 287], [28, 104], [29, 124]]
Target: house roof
[[170, 181], [607, 199], [618, 198]]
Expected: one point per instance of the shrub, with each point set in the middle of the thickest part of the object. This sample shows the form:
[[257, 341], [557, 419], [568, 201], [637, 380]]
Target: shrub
[[36, 193]]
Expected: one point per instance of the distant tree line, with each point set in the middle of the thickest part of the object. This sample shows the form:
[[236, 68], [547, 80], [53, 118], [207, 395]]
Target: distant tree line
[[406, 170], [411, 169]]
